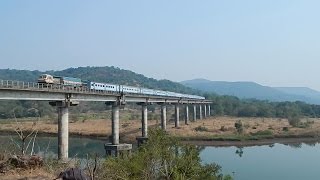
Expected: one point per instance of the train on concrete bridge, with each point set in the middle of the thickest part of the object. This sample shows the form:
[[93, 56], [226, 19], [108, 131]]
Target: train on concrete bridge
[[64, 94]]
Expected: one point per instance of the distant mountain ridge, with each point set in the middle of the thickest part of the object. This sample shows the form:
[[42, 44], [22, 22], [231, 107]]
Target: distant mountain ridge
[[252, 90]]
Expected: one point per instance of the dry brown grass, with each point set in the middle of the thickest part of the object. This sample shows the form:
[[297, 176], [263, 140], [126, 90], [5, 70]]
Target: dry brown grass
[[251, 125], [34, 174], [130, 129]]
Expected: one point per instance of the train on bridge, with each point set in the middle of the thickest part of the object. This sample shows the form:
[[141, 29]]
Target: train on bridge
[[48, 79]]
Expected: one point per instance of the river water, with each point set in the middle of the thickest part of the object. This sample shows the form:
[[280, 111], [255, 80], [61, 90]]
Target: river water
[[279, 161], [268, 162]]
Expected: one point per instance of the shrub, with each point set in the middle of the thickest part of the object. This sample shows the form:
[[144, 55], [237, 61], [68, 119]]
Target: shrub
[[239, 126], [294, 121], [306, 124], [161, 157], [201, 128]]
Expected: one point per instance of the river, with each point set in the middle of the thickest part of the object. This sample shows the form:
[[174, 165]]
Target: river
[[277, 161]]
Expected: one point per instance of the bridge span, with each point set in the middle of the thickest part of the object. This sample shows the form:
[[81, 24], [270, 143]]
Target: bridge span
[[64, 97]]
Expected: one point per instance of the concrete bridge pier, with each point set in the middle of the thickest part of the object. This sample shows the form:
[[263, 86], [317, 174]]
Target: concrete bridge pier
[[209, 110], [194, 113], [144, 121], [200, 112], [163, 117], [115, 124], [63, 133], [205, 111], [177, 116], [114, 148], [186, 121], [63, 127]]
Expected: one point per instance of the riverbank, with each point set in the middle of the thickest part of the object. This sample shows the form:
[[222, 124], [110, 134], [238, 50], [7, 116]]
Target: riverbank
[[212, 131]]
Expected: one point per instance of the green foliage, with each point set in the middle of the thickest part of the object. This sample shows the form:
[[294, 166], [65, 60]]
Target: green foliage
[[99, 74], [294, 121], [239, 126], [232, 106], [162, 157], [222, 105]]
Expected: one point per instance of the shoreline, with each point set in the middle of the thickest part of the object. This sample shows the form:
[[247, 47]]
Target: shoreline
[[214, 131], [199, 141], [248, 143]]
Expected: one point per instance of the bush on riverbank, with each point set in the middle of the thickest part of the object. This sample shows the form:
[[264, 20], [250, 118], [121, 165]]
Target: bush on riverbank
[[162, 157], [201, 129]]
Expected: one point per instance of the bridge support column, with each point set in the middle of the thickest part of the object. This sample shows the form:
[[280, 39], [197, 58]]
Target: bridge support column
[[209, 110], [63, 132], [200, 112], [144, 122], [205, 111], [163, 117], [115, 124], [187, 115], [177, 118], [115, 146], [63, 127], [194, 113]]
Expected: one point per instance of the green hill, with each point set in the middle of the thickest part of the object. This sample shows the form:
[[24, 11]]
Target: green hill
[[100, 74], [10, 109]]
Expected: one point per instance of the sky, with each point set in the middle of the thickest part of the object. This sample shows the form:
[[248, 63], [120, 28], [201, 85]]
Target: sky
[[271, 42]]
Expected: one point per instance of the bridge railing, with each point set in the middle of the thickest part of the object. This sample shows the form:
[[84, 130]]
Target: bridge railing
[[20, 85], [49, 87]]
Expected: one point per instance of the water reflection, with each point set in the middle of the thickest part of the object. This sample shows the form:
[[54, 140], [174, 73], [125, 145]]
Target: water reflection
[[271, 145], [239, 151], [78, 147], [311, 144], [294, 145], [276, 161]]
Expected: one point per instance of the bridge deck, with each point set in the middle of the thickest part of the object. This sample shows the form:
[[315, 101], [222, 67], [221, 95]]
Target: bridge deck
[[18, 90]]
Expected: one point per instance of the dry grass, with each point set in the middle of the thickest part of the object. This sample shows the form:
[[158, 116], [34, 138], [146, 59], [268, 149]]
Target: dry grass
[[215, 126], [34, 174]]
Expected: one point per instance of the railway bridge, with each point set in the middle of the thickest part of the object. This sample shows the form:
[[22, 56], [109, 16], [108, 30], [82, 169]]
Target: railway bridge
[[64, 97]]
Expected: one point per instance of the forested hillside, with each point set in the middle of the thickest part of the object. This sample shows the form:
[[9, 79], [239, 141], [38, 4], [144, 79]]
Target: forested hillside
[[9, 109], [99, 74], [233, 106], [222, 105]]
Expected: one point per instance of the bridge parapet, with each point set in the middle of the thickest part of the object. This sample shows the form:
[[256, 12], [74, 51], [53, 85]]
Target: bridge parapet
[[18, 90]]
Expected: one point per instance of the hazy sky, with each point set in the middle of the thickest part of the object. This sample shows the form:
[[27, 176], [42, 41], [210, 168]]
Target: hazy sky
[[272, 42]]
